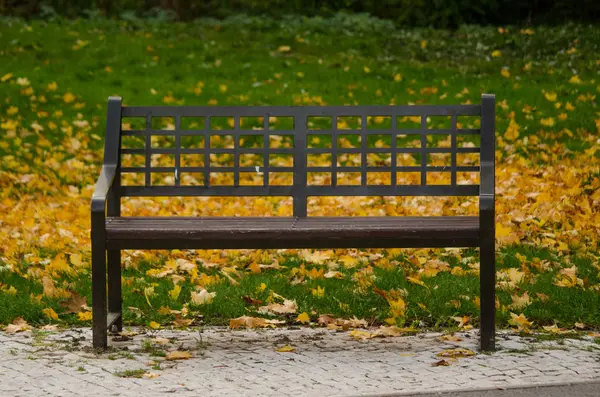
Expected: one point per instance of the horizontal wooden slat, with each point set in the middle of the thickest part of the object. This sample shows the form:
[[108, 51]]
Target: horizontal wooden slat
[[291, 232]]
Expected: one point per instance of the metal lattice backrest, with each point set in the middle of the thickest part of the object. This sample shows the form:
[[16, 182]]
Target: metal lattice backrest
[[304, 151]]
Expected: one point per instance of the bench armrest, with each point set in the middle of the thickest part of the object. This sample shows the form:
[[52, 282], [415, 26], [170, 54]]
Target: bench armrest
[[103, 187]]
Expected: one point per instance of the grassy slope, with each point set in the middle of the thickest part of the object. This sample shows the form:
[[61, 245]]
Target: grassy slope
[[355, 64]]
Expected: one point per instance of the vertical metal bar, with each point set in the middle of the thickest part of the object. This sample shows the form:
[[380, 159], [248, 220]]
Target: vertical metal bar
[[299, 197], [393, 174], [363, 152], [148, 147], [112, 160], [453, 151], [487, 278], [266, 144], [236, 150], [423, 149], [334, 125], [177, 150], [207, 151], [98, 238]]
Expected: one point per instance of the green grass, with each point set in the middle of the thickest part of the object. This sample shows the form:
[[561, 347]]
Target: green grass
[[152, 64]]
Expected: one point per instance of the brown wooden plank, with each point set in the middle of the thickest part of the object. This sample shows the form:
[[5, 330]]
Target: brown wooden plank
[[290, 232]]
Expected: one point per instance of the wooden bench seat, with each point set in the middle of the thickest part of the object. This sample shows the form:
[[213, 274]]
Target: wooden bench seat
[[291, 232]]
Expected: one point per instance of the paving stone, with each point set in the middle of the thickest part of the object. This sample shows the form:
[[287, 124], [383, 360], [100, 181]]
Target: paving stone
[[245, 363]]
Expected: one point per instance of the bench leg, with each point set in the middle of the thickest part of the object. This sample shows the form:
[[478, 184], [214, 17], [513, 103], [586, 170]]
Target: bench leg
[[100, 339], [115, 300], [487, 280]]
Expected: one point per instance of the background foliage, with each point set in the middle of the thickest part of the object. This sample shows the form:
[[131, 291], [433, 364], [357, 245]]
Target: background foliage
[[438, 13]]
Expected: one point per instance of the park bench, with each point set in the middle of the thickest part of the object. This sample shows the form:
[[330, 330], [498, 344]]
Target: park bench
[[111, 232]]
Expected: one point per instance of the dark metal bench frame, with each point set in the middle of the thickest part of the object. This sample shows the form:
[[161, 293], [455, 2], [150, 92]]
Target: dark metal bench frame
[[106, 200]]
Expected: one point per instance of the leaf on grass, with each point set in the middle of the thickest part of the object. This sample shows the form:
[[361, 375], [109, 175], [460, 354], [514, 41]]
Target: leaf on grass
[[303, 318], [415, 280], [18, 325], [519, 302], [178, 355], [334, 274], [286, 349], [50, 313], [85, 316], [76, 304], [520, 322], [288, 306], [456, 353], [251, 301], [202, 297], [542, 297]]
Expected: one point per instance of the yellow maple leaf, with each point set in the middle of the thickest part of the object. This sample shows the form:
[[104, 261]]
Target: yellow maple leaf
[[303, 318], [519, 302], [415, 280], [154, 325], [85, 316], [551, 96], [504, 72], [318, 292], [512, 132], [496, 53], [68, 97], [520, 321], [50, 313], [575, 80]]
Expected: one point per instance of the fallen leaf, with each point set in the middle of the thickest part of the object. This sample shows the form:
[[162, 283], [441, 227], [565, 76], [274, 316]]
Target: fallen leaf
[[456, 353], [450, 338], [178, 355], [248, 322], [76, 304], [441, 363], [150, 375], [251, 301], [154, 325], [303, 318], [359, 334], [202, 297], [288, 306], [286, 349], [519, 302], [50, 313], [18, 325]]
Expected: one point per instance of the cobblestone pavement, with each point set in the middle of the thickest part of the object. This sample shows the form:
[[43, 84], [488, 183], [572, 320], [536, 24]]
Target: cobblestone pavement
[[246, 363]]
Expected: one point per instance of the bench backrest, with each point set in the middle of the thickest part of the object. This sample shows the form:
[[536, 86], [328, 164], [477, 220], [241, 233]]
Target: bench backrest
[[271, 150]]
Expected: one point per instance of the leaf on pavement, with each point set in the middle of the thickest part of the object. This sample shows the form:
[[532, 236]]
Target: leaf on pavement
[[178, 355], [286, 349], [456, 353]]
